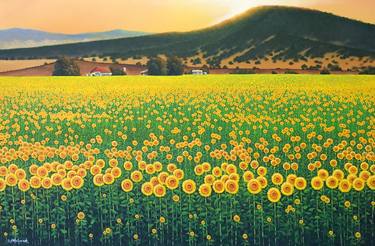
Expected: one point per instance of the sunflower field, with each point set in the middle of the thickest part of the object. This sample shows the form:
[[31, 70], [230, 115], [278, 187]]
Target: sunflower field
[[190, 160]]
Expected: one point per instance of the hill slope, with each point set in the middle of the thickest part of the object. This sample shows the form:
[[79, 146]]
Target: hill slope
[[24, 38], [84, 66], [276, 33]]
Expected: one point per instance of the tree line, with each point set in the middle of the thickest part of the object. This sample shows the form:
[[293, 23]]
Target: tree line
[[156, 66], [171, 66]]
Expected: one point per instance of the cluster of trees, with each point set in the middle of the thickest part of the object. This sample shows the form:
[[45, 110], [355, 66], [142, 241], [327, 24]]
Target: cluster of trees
[[159, 66], [244, 71], [325, 71], [66, 67], [330, 67], [117, 71], [368, 70], [290, 72]]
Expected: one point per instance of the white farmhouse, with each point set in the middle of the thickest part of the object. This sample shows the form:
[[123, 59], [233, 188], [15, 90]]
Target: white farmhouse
[[100, 71], [144, 72], [198, 72]]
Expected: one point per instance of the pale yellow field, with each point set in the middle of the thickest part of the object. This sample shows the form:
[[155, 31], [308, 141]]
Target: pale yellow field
[[10, 65]]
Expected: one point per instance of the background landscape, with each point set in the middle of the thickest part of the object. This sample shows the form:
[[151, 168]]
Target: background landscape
[[261, 39], [252, 123]]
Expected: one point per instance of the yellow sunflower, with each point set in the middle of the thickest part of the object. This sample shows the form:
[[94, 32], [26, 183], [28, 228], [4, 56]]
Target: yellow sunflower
[[108, 178], [231, 186], [171, 182], [332, 182], [371, 182], [247, 176], [263, 181], [218, 186], [2, 184], [47, 183], [287, 189], [300, 183], [277, 179], [66, 184], [254, 186], [323, 174], [317, 183], [77, 182], [262, 171], [189, 186], [209, 179], [147, 188], [338, 174], [127, 185], [216, 171], [36, 183], [136, 176], [345, 186], [198, 170], [205, 190], [98, 180], [273, 195], [11, 179], [159, 190], [23, 185], [358, 184]]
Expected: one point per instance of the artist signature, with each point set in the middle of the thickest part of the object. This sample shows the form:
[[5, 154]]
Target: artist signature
[[17, 241]]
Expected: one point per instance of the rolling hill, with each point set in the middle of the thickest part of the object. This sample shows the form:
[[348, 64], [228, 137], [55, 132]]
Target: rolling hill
[[25, 38], [271, 33]]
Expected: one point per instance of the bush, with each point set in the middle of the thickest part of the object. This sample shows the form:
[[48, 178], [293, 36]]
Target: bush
[[206, 69], [290, 72], [196, 61], [316, 67], [117, 71], [175, 66], [157, 66], [244, 71], [334, 67], [66, 67], [325, 71], [368, 70]]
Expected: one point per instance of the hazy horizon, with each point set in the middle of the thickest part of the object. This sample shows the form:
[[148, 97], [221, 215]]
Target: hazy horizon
[[154, 16]]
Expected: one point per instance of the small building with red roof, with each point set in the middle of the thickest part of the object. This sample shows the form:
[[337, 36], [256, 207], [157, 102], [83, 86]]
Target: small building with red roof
[[100, 71]]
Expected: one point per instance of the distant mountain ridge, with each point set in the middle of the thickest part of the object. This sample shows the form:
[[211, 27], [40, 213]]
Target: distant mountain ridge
[[264, 33], [25, 38]]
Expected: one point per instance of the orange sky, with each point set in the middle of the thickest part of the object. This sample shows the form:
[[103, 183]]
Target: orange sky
[[74, 16]]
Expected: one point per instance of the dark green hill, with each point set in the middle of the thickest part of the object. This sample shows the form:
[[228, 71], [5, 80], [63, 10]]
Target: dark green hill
[[282, 32]]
